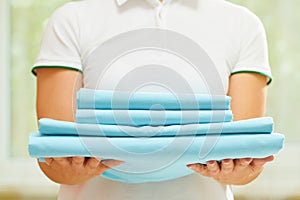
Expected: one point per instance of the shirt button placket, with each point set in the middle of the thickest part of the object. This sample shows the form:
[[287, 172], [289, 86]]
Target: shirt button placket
[[160, 15]]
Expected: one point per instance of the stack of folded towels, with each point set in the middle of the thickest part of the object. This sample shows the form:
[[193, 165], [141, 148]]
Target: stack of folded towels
[[156, 134]]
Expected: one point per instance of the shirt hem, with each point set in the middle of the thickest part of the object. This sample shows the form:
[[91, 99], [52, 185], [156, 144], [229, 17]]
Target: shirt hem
[[52, 66], [255, 72]]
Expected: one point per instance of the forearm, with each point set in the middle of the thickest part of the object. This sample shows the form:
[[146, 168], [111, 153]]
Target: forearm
[[249, 94], [56, 99], [56, 93]]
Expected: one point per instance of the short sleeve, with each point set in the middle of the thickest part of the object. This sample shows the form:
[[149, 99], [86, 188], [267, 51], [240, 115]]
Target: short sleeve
[[253, 55], [60, 47]]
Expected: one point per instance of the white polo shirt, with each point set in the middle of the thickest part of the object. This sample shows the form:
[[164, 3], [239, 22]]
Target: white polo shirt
[[232, 37]]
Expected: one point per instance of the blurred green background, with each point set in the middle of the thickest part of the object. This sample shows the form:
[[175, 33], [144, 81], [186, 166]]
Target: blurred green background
[[282, 24], [281, 19]]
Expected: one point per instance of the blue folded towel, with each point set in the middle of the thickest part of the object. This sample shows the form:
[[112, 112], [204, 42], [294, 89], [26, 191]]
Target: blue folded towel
[[156, 134], [156, 158], [56, 127], [106, 99], [152, 117]]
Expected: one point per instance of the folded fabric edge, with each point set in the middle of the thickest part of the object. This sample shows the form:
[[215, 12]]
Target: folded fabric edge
[[86, 99], [78, 129], [279, 148], [151, 117]]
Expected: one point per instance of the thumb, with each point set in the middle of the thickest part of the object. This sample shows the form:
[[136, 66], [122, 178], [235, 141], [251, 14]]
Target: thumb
[[262, 161], [112, 163]]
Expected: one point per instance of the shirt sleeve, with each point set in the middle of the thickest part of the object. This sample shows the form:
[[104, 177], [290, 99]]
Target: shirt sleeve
[[60, 47], [253, 56]]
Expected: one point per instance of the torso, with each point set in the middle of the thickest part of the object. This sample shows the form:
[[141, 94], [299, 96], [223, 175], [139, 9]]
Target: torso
[[212, 24]]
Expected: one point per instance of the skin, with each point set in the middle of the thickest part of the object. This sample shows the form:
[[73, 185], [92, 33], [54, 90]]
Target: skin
[[248, 92], [56, 90]]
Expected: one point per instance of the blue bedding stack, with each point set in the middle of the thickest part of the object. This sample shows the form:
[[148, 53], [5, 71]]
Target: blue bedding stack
[[156, 134]]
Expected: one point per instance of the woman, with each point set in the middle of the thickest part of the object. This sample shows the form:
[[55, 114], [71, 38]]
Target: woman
[[231, 35]]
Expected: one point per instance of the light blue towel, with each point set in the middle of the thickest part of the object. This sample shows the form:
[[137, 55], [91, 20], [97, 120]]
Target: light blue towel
[[156, 158], [107, 99], [151, 117], [55, 127]]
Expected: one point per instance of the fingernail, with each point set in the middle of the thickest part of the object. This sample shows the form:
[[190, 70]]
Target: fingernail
[[120, 161], [112, 163], [191, 167], [270, 158], [98, 158], [226, 161], [211, 162]]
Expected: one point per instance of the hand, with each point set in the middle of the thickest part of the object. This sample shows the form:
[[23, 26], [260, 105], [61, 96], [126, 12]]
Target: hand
[[235, 172], [75, 170]]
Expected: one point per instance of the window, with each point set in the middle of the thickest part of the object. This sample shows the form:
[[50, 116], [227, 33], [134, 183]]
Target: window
[[28, 21], [21, 26], [281, 20]]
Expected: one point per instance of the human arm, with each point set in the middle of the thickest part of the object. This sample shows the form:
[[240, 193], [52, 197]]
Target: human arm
[[56, 99], [248, 92]]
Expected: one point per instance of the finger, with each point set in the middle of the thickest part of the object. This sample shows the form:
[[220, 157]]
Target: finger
[[213, 168], [227, 166], [259, 162], [92, 163], [105, 165], [61, 161], [241, 164], [77, 161], [199, 168], [111, 163], [48, 161]]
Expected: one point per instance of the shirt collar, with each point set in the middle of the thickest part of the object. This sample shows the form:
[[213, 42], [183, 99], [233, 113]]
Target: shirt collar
[[153, 2], [121, 2]]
